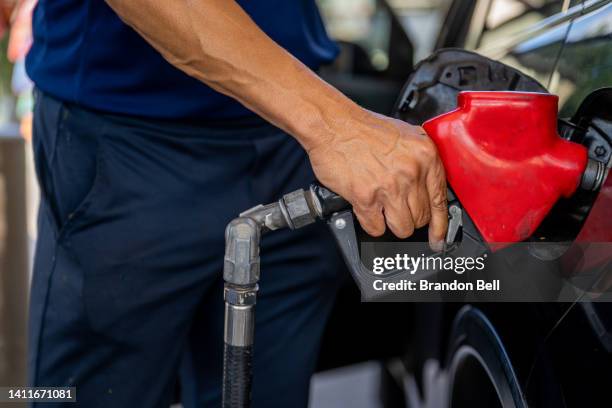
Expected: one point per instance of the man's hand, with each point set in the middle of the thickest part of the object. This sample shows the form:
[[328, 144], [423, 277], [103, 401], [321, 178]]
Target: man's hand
[[389, 171]]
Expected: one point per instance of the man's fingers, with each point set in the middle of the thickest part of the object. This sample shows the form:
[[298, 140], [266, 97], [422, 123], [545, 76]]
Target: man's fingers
[[399, 217], [371, 220], [418, 201], [436, 189]]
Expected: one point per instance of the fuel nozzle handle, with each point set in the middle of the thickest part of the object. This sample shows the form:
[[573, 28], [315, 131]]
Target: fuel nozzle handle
[[326, 201]]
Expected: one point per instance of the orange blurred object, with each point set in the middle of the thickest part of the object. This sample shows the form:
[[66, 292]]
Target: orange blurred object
[[25, 127], [20, 38]]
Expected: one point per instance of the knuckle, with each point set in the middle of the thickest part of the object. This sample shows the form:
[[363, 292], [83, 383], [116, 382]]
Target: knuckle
[[364, 196], [375, 230], [411, 173], [405, 232], [378, 232], [429, 151], [401, 228], [439, 202], [389, 185]]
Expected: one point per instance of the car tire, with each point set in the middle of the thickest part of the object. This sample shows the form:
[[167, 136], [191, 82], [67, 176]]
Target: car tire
[[480, 373]]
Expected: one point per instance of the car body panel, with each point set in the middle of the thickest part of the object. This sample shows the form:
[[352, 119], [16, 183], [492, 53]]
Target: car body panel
[[562, 352]]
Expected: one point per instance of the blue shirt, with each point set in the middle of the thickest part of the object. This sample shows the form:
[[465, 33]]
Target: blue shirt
[[83, 53]]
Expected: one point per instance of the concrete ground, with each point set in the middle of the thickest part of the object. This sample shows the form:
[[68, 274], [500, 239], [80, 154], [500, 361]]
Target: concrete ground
[[354, 386]]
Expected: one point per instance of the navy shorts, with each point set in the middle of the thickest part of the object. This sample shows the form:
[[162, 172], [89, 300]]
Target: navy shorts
[[126, 297]]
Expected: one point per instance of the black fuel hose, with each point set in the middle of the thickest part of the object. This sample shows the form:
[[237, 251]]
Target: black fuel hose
[[237, 376]]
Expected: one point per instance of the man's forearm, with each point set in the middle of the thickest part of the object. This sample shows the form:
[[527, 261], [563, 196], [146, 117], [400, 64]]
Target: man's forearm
[[387, 169], [216, 42]]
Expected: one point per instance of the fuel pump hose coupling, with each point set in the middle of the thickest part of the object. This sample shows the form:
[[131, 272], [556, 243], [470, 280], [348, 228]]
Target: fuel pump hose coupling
[[241, 274]]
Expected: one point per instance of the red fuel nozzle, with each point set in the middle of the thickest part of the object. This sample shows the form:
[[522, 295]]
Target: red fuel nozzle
[[505, 161]]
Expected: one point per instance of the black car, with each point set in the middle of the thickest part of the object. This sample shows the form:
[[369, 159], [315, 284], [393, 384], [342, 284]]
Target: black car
[[493, 354]]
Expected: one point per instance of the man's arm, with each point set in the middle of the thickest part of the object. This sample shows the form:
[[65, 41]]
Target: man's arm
[[387, 169]]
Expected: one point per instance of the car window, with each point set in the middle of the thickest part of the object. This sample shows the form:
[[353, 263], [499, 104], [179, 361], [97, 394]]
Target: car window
[[368, 23], [507, 18], [586, 61]]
